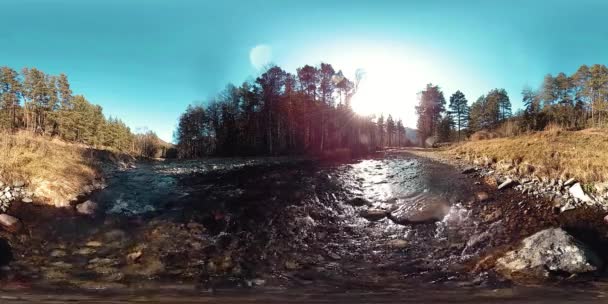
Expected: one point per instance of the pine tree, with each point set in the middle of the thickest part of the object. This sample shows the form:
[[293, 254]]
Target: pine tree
[[459, 110]]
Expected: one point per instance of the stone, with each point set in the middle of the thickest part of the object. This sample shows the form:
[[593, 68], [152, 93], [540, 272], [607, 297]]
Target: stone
[[505, 184], [87, 208], [577, 192], [358, 202], [18, 184], [26, 200], [569, 182], [424, 209], [482, 196], [373, 214], [546, 254], [10, 223], [58, 253], [85, 251], [397, 244], [133, 257], [93, 244]]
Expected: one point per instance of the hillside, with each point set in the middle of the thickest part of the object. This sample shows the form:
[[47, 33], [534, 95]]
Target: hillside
[[53, 171], [559, 154]]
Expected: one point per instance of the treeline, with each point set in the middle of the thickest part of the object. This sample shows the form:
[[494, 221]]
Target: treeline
[[571, 102], [44, 104], [283, 113], [459, 120]]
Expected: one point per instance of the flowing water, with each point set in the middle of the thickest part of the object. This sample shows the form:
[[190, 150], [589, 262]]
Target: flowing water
[[275, 230]]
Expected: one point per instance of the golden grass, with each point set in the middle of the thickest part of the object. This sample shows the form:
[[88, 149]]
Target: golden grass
[[55, 171], [554, 154]]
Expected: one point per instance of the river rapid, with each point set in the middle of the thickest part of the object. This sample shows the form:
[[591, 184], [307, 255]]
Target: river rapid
[[394, 227]]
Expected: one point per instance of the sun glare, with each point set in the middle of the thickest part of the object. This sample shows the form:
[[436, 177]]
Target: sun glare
[[390, 86]]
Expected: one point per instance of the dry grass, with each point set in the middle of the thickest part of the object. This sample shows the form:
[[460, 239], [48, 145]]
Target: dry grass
[[554, 153], [54, 170]]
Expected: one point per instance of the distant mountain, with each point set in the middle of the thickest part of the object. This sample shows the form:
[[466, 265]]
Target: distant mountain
[[412, 135]]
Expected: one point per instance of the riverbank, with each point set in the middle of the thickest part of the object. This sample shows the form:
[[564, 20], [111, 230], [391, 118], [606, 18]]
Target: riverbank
[[52, 172]]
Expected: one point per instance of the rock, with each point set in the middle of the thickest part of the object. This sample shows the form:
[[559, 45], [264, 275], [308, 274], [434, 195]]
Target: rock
[[431, 142], [577, 192], [423, 209], [468, 170], [358, 202], [373, 214], [26, 200], [93, 244], [87, 208], [545, 254], [397, 244], [134, 256], [291, 265], [58, 253], [85, 251], [505, 184], [569, 182], [482, 196], [18, 184], [10, 223]]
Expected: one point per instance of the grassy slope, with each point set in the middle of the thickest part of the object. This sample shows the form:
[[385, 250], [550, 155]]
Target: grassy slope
[[54, 170], [581, 154]]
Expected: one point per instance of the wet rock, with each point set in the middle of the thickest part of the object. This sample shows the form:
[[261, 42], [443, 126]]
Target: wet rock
[[10, 223], [291, 265], [93, 244], [373, 214], [87, 208], [397, 244], [57, 253], [482, 196], [422, 210], [133, 257], [577, 192], [505, 184], [358, 202], [85, 251], [548, 253]]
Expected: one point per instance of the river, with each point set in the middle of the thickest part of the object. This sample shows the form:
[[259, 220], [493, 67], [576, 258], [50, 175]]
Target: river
[[280, 230]]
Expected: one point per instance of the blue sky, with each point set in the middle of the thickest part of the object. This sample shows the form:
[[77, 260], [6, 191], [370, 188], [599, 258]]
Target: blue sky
[[144, 61]]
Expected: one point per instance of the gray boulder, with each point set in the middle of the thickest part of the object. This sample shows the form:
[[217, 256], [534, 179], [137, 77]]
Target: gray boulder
[[545, 254]]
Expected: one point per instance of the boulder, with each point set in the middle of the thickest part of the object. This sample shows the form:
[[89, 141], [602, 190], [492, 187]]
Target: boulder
[[549, 253], [422, 209], [431, 142], [10, 223], [87, 208], [577, 192]]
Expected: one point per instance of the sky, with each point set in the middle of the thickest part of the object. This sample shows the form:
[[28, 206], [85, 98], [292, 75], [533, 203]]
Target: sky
[[144, 61]]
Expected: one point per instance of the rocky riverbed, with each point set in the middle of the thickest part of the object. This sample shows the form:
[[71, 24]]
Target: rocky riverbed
[[384, 224]]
